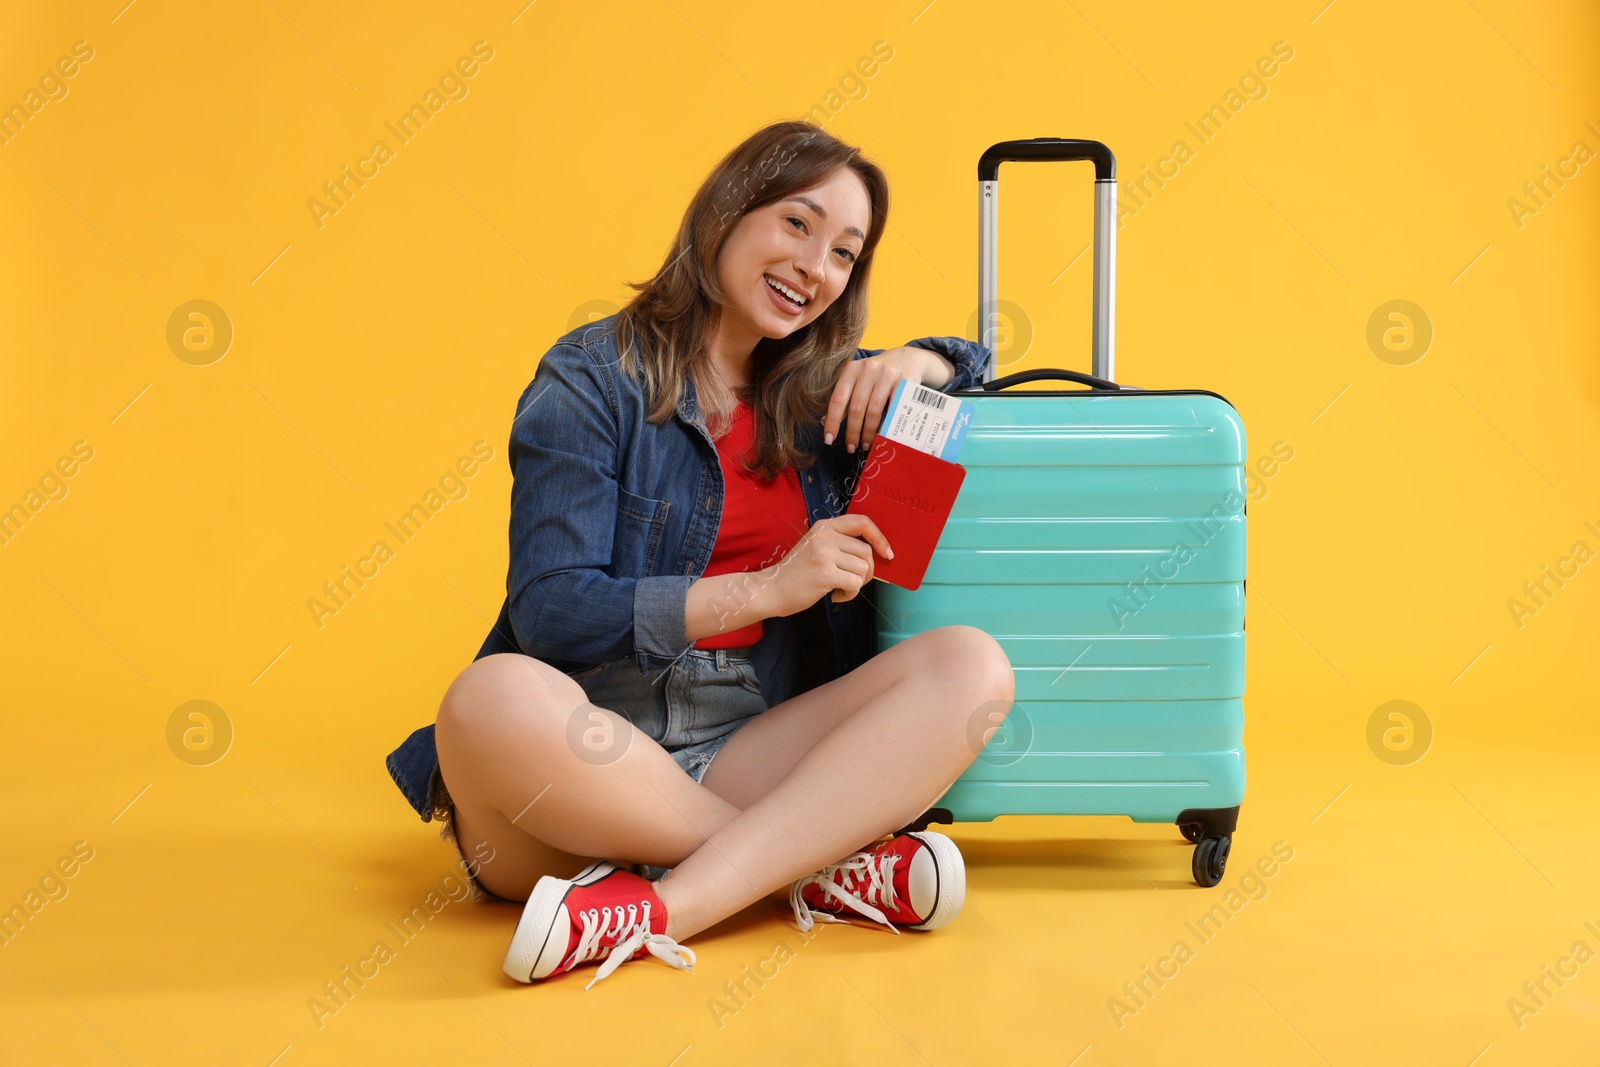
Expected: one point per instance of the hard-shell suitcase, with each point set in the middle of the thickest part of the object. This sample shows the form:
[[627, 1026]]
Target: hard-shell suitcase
[[1100, 538]]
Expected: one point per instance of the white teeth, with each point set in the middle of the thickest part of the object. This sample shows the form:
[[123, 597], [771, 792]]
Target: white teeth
[[786, 291]]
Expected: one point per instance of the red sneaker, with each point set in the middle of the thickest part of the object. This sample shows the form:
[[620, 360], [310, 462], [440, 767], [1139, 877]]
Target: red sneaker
[[917, 880], [603, 913]]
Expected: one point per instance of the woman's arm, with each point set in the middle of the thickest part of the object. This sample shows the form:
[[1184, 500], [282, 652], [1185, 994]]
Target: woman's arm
[[922, 366], [726, 602], [564, 498], [955, 363], [835, 557], [863, 389]]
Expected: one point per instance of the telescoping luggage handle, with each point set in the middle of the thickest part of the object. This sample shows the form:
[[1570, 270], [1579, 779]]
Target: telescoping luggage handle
[[1105, 240]]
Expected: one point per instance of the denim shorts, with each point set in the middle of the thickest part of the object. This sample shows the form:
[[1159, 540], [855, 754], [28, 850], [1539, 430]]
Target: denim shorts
[[690, 709]]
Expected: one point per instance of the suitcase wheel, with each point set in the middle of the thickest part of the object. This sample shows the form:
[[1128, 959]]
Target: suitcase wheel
[[1210, 859], [1192, 832]]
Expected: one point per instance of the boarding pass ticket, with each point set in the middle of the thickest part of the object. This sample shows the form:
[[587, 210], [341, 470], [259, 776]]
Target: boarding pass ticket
[[927, 420]]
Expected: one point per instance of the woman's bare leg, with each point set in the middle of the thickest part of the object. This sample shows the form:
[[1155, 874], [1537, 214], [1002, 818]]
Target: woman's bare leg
[[521, 788], [899, 737], [892, 735]]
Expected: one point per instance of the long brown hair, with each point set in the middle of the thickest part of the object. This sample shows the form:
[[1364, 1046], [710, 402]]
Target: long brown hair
[[663, 331]]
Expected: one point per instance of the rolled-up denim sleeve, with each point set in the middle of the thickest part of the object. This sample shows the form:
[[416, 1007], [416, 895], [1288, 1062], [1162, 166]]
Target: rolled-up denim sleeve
[[968, 357], [563, 603]]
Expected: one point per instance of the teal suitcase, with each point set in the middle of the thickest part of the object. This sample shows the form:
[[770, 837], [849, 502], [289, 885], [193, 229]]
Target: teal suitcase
[[1100, 538]]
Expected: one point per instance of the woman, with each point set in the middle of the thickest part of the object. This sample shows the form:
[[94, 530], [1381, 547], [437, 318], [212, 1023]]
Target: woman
[[684, 585]]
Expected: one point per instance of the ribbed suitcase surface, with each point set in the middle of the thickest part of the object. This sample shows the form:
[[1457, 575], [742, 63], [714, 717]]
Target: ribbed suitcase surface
[[1128, 652]]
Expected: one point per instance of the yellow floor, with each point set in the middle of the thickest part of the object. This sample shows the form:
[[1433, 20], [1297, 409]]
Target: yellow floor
[[1414, 904]]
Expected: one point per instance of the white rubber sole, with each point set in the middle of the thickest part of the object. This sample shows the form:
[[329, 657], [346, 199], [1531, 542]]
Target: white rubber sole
[[534, 953], [952, 872]]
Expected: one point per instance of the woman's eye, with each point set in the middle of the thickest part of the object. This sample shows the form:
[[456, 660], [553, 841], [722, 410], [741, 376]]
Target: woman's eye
[[849, 256]]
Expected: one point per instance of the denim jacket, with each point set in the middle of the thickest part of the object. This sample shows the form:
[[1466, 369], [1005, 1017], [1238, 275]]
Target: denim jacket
[[613, 518]]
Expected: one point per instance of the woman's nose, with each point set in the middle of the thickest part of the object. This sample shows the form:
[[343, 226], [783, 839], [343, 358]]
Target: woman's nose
[[810, 268]]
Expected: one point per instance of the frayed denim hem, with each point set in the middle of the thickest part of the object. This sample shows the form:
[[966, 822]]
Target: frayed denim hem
[[444, 811]]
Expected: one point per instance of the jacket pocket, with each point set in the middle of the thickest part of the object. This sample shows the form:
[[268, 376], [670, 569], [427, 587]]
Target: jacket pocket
[[641, 528]]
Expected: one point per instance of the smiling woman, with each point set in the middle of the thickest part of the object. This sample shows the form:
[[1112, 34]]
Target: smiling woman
[[631, 710], [785, 284]]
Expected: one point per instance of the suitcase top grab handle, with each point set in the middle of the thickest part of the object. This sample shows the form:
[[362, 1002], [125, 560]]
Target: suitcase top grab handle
[[1105, 237], [1046, 374]]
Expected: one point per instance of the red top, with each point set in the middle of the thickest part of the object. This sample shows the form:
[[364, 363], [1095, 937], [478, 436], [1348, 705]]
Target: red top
[[761, 521]]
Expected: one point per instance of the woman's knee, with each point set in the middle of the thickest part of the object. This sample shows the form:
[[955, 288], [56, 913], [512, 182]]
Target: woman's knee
[[497, 697], [977, 658]]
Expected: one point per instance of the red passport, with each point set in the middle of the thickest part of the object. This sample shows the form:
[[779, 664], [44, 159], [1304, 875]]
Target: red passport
[[909, 495]]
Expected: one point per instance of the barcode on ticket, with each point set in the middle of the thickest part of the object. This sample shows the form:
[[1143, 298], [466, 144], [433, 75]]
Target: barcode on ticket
[[930, 396], [926, 419]]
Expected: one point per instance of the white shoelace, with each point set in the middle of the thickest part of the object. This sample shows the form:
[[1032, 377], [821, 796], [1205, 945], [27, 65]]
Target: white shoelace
[[872, 880], [632, 931]]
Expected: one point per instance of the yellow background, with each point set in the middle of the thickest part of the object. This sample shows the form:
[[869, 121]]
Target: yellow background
[[372, 352]]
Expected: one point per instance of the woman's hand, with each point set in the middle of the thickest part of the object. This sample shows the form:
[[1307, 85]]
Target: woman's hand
[[835, 555], [864, 388]]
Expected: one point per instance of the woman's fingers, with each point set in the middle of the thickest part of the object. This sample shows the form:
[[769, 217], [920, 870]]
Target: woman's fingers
[[860, 396], [855, 409], [847, 584], [839, 402], [881, 391], [857, 565], [859, 526], [854, 562], [868, 398]]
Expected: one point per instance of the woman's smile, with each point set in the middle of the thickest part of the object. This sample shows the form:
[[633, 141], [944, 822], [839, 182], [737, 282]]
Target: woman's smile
[[787, 306]]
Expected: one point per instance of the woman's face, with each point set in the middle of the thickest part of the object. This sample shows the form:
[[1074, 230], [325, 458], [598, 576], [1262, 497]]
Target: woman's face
[[807, 242]]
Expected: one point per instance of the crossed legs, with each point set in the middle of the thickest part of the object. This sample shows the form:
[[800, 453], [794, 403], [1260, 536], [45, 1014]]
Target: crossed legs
[[798, 787]]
